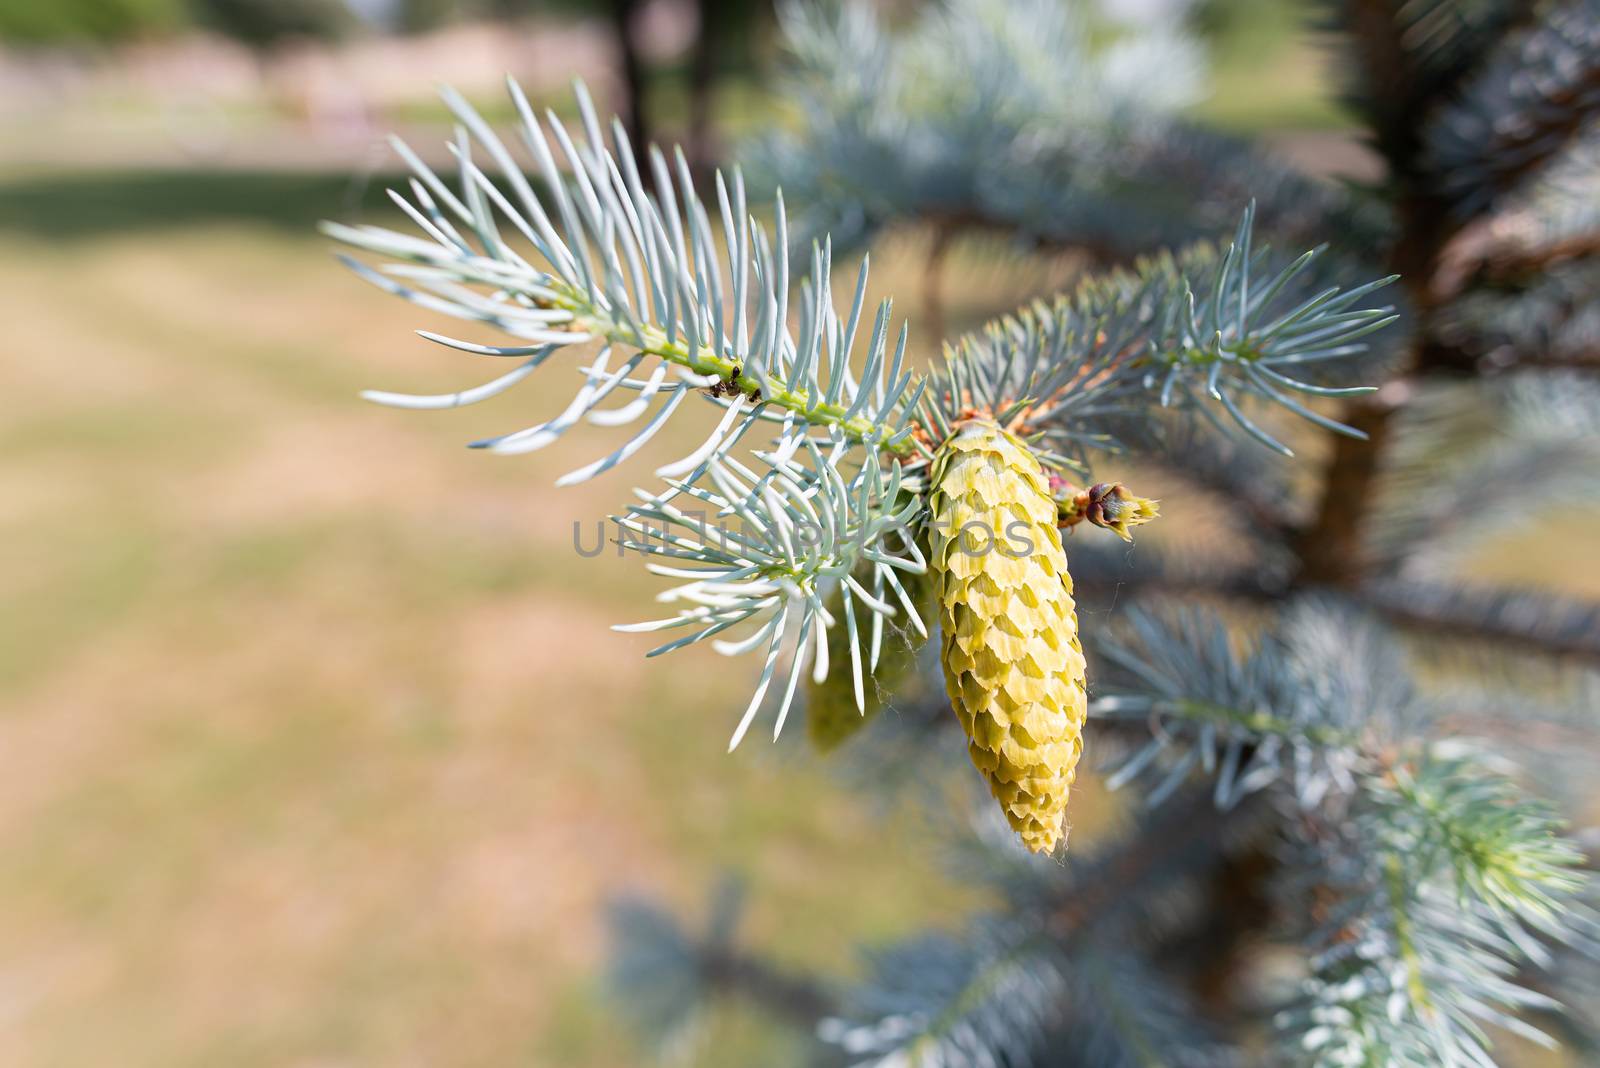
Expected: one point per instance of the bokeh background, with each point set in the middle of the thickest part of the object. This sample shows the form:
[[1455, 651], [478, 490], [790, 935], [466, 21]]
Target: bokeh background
[[315, 748]]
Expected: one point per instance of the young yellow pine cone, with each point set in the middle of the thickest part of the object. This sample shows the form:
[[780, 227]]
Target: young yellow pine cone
[[1012, 663], [831, 712]]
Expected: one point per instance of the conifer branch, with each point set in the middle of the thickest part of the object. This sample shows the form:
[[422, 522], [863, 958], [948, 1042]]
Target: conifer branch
[[1548, 321], [1527, 622], [1408, 55], [664, 977], [1115, 906], [1450, 879], [1007, 116], [843, 484], [628, 269], [1227, 326], [1304, 705], [1523, 442], [1531, 622], [1535, 95], [940, 1001]]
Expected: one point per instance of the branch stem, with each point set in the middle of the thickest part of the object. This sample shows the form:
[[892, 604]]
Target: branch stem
[[707, 360]]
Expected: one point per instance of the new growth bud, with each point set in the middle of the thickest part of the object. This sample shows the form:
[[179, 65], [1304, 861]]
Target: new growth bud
[[1105, 504]]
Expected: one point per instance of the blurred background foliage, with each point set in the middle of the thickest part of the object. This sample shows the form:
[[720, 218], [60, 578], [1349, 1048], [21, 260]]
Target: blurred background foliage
[[314, 748]]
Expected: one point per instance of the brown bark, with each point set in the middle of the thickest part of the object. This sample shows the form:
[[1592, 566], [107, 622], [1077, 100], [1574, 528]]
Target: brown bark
[[633, 75], [702, 86], [1330, 548]]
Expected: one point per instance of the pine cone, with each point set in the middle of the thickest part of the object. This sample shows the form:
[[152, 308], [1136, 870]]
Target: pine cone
[[1012, 663], [831, 712]]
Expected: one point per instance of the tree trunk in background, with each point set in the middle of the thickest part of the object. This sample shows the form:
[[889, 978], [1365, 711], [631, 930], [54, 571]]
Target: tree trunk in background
[[729, 37], [1330, 546], [1330, 549], [933, 280], [703, 63], [633, 87]]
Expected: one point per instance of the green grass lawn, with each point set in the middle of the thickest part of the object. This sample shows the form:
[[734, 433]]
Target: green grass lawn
[[1284, 89]]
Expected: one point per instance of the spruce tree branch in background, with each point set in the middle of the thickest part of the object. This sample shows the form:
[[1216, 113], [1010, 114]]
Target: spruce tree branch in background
[[1002, 116], [1519, 282], [1250, 485], [1473, 461], [1109, 572], [665, 976], [1536, 94], [1587, 361], [1549, 321], [1146, 885], [1452, 877], [794, 999], [1127, 1014], [995, 990], [1450, 874], [1495, 261], [1534, 623], [1408, 55], [1277, 710], [1073, 965], [1528, 622]]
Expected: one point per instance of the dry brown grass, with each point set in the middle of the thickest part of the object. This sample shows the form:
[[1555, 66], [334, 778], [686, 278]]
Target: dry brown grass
[[316, 748]]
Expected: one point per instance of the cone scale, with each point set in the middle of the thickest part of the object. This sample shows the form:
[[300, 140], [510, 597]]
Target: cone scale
[[1013, 666]]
